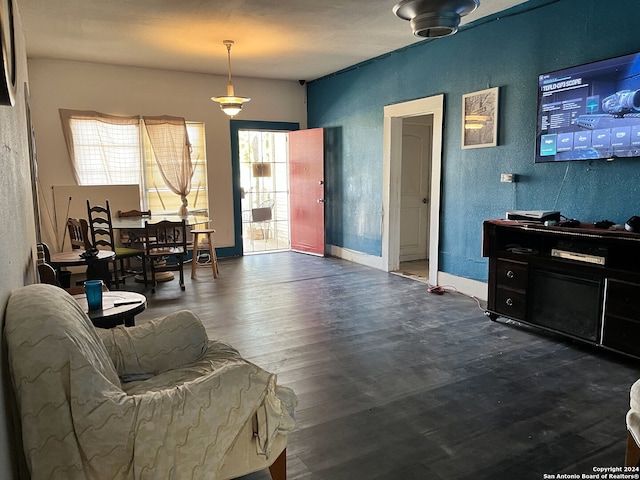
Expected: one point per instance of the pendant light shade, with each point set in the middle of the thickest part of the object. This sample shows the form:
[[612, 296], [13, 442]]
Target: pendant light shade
[[434, 18], [229, 103]]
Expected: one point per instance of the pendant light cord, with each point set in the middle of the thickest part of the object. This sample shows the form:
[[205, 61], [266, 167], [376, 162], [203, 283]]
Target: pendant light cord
[[229, 60]]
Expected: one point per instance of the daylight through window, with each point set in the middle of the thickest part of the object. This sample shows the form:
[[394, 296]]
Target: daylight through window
[[118, 152]]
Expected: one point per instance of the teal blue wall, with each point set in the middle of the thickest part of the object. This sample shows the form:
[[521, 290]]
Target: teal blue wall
[[508, 51]]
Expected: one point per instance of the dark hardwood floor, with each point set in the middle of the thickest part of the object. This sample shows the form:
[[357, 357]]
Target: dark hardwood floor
[[397, 383]]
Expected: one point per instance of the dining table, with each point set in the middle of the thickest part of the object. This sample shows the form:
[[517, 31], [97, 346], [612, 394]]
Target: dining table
[[138, 223], [135, 226]]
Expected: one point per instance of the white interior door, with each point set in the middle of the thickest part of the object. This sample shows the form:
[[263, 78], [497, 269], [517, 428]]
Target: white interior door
[[415, 188]]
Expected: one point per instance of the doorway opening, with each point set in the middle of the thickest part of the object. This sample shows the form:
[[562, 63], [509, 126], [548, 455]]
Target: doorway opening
[[260, 170], [415, 195], [394, 126], [264, 190]]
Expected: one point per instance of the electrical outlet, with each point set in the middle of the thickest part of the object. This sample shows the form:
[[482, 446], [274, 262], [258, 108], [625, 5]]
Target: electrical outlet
[[507, 177]]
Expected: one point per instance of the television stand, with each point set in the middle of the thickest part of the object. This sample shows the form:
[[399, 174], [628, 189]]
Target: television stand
[[581, 282]]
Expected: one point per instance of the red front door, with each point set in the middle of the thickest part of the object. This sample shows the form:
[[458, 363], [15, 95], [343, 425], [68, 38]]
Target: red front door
[[306, 187]]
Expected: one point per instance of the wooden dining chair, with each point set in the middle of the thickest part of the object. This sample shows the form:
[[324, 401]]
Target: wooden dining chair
[[102, 233], [132, 238], [46, 272], [163, 240], [78, 229], [134, 213], [102, 236], [43, 253]]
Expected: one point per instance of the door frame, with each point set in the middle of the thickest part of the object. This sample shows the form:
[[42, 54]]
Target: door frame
[[392, 167], [235, 126]]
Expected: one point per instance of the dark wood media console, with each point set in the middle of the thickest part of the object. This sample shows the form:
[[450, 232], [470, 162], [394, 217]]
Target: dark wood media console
[[581, 282]]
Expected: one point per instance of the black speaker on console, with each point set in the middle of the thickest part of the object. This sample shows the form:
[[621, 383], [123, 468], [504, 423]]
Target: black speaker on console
[[633, 224]]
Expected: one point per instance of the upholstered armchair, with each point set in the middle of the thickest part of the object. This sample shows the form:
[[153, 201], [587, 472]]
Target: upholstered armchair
[[633, 427], [156, 401]]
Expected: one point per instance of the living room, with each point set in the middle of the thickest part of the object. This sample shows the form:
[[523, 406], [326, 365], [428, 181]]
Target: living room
[[508, 50], [472, 60]]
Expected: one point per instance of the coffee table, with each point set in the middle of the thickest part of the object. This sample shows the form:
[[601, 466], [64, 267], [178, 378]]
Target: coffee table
[[118, 308]]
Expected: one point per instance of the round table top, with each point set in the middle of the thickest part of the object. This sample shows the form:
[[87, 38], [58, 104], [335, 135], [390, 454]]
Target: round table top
[[73, 258], [117, 307]]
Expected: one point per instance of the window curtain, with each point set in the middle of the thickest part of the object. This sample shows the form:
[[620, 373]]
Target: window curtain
[[112, 153], [172, 152]]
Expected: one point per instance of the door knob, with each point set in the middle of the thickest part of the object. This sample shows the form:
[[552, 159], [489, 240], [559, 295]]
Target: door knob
[[424, 200], [321, 182], [321, 200]]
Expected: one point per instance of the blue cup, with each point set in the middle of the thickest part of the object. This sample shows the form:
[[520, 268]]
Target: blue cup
[[93, 290]]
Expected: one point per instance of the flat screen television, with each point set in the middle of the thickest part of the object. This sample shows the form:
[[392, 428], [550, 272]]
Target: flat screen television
[[590, 111]]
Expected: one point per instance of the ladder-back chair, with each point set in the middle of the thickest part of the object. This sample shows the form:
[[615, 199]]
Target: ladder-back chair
[[102, 232], [78, 229]]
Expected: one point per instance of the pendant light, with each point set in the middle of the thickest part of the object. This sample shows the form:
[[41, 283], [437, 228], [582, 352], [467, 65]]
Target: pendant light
[[230, 104]]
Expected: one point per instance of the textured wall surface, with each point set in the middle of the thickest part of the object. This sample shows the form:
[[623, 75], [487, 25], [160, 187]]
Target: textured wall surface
[[17, 234], [507, 51]]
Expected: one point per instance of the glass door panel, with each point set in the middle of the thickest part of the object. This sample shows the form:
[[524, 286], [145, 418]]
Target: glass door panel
[[264, 190]]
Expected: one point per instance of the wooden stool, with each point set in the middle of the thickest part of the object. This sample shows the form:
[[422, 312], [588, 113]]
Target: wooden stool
[[197, 247]]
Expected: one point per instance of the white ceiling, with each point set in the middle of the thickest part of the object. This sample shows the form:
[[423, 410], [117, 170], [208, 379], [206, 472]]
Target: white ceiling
[[292, 40]]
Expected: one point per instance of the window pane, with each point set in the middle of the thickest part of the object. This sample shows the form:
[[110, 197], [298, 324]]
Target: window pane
[[106, 154], [265, 187], [161, 200]]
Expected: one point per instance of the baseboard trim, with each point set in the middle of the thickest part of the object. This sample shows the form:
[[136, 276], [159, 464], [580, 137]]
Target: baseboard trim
[[356, 257], [473, 288]]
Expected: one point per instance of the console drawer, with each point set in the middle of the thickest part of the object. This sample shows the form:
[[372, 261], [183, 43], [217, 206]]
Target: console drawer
[[622, 299], [622, 317], [512, 274], [621, 334], [511, 303]]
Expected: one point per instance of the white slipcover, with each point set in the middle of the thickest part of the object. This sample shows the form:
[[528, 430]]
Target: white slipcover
[[633, 415], [178, 416]]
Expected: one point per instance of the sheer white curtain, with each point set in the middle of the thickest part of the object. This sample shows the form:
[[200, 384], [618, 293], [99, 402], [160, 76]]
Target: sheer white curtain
[[108, 145], [172, 152]]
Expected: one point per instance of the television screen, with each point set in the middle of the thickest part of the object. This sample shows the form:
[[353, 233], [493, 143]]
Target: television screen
[[590, 111]]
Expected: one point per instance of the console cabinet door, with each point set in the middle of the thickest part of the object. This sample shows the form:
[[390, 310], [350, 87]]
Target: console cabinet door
[[566, 303], [622, 317]]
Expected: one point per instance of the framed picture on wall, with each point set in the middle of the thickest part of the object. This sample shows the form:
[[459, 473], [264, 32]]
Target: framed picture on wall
[[8, 53], [480, 119], [34, 165]]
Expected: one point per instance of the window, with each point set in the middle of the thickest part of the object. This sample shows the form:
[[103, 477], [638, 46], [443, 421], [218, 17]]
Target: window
[[113, 150], [159, 197], [106, 154]]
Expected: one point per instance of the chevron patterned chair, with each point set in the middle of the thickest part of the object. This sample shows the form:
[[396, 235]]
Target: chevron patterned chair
[[156, 401], [632, 458]]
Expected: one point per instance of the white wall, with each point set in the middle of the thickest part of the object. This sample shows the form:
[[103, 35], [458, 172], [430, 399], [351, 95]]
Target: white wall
[[17, 234], [138, 91]]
